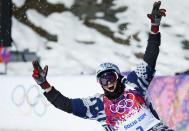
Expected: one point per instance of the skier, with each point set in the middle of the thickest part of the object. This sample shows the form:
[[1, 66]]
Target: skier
[[125, 104]]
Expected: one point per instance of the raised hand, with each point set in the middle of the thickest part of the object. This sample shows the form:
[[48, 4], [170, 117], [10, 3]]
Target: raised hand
[[40, 74], [156, 16]]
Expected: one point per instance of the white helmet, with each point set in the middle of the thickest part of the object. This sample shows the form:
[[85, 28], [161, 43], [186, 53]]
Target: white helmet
[[105, 67]]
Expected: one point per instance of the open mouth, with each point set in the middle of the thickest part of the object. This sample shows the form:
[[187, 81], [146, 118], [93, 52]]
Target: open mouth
[[111, 88]]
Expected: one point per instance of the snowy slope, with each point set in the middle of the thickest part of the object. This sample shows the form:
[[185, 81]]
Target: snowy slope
[[68, 56]]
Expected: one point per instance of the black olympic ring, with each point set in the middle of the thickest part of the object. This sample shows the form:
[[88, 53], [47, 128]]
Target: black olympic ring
[[31, 96], [122, 105]]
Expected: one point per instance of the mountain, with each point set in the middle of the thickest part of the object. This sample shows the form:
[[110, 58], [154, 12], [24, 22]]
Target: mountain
[[74, 37]]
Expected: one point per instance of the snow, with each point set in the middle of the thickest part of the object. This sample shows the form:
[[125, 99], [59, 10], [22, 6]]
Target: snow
[[75, 57], [67, 3], [23, 117], [19, 3]]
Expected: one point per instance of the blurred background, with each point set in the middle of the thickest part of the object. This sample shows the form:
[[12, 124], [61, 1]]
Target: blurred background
[[73, 37]]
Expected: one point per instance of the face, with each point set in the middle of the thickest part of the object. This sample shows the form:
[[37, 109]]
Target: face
[[110, 87], [108, 81]]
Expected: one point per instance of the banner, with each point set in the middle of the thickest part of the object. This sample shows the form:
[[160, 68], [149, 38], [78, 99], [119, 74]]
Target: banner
[[170, 96], [4, 55]]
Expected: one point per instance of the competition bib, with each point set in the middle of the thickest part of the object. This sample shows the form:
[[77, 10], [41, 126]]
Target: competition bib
[[129, 113], [140, 121]]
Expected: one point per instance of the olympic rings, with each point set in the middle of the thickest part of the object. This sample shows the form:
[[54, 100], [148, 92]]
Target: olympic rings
[[31, 97], [21, 90], [124, 104]]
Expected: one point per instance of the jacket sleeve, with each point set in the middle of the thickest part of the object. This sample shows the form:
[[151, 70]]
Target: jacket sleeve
[[152, 50], [59, 101], [144, 72], [141, 76], [87, 108]]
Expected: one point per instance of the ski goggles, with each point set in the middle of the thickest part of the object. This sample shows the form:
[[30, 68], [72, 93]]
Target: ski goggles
[[108, 77]]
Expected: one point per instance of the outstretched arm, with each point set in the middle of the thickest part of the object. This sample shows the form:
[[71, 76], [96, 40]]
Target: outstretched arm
[[154, 39], [54, 96], [88, 108], [144, 72]]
